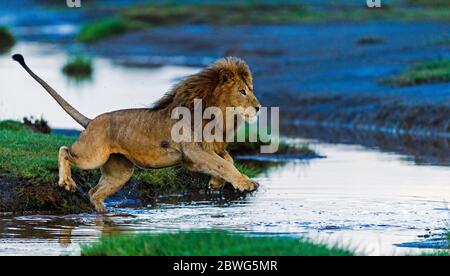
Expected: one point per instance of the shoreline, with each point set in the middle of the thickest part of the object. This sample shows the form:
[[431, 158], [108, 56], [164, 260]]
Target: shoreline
[[28, 176]]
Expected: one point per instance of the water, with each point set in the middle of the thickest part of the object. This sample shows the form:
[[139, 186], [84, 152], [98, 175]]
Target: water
[[112, 87], [364, 199], [372, 202]]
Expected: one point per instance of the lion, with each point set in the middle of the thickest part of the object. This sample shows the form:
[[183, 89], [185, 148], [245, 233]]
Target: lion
[[118, 141]]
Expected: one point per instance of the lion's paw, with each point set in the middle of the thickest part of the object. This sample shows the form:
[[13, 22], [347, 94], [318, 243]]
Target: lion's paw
[[215, 183], [68, 184], [248, 185], [99, 206]]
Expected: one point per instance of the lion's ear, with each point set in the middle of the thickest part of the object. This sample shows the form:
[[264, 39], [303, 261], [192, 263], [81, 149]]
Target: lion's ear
[[225, 76]]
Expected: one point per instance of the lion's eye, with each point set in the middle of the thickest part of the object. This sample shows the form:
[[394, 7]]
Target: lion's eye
[[243, 92]]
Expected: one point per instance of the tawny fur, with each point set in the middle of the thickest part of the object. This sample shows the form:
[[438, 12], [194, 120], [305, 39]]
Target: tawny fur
[[119, 140]]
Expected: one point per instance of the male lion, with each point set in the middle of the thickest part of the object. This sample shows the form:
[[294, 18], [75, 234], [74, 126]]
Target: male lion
[[119, 140]]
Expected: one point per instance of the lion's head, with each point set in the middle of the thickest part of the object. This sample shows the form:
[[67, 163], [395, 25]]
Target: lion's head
[[226, 83], [235, 87]]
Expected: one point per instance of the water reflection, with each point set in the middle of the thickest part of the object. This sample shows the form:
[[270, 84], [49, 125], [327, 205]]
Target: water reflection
[[422, 150]]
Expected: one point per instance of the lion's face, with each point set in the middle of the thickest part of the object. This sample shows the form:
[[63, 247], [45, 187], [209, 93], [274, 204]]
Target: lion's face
[[236, 92]]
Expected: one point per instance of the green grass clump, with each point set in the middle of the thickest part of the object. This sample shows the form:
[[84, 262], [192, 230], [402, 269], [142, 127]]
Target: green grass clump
[[11, 125], [254, 148], [422, 73], [206, 243], [6, 39], [78, 67], [98, 30]]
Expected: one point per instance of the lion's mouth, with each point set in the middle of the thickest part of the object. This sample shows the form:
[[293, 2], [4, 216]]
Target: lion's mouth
[[250, 118], [249, 115]]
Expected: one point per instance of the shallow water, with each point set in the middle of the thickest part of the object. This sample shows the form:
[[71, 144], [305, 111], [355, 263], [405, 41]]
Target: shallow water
[[111, 87], [372, 202]]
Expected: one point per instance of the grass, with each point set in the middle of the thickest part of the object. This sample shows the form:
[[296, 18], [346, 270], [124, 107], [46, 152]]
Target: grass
[[6, 39], [29, 155], [442, 252], [105, 28], [78, 67], [11, 125], [423, 72], [254, 148], [206, 243], [28, 169]]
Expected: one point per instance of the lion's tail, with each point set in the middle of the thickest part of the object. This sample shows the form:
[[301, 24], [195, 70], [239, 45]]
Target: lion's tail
[[75, 114]]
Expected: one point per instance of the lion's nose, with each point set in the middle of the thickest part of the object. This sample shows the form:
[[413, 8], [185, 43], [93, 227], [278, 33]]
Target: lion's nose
[[257, 108]]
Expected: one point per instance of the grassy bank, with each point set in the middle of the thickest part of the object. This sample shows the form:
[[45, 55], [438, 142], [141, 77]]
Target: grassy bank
[[210, 243], [422, 73], [28, 164], [6, 39], [245, 13]]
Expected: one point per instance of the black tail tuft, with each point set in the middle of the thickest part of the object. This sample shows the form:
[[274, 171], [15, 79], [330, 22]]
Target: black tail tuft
[[19, 58]]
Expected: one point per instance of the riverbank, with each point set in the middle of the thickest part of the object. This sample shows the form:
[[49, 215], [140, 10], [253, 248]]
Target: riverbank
[[28, 175]]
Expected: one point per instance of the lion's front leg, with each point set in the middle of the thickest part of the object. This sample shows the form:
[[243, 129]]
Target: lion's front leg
[[210, 163], [217, 182]]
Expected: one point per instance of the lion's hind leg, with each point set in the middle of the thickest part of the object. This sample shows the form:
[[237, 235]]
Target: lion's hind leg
[[115, 173], [89, 152], [65, 175]]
